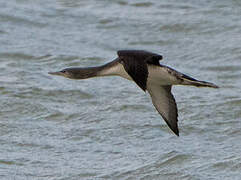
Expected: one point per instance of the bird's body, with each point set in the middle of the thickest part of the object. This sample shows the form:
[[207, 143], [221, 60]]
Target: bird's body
[[156, 75], [144, 69]]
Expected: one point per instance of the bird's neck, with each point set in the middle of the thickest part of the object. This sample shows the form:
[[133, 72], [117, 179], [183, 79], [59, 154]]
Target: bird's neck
[[87, 72], [90, 72]]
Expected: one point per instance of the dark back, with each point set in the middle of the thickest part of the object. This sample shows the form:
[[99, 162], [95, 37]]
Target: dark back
[[135, 63], [140, 55]]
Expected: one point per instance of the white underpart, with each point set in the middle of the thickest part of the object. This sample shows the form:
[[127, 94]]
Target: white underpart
[[156, 75], [160, 76], [116, 70]]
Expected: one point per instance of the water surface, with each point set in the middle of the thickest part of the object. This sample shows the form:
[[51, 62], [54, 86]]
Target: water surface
[[107, 128]]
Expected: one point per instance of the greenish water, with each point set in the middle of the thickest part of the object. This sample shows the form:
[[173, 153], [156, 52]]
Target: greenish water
[[107, 128]]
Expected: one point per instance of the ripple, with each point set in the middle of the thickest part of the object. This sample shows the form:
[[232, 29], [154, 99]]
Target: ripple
[[32, 93], [18, 20], [6, 162], [150, 169], [176, 6], [181, 27], [142, 4], [227, 165], [8, 79], [223, 68], [2, 32], [134, 107], [122, 3], [175, 159], [16, 56], [105, 21], [154, 42]]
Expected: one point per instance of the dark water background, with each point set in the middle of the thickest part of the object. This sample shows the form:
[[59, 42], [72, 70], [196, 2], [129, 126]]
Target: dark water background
[[106, 128]]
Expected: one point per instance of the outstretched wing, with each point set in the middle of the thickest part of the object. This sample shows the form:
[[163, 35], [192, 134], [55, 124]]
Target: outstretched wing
[[165, 104], [135, 63], [137, 70], [141, 55]]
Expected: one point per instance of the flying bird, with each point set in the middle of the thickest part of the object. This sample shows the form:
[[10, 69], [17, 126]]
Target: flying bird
[[144, 69]]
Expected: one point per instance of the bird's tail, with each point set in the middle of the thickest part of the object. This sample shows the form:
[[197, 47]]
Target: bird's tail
[[203, 84], [193, 82]]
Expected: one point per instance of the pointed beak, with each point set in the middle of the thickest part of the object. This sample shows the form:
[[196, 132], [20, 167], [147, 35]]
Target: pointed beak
[[56, 73]]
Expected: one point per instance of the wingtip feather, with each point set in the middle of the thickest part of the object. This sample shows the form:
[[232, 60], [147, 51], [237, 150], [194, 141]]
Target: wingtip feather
[[176, 132]]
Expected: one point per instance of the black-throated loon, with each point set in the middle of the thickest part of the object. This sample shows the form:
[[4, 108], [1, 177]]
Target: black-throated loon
[[144, 69]]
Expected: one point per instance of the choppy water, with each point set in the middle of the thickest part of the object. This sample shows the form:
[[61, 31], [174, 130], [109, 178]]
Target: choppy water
[[107, 128]]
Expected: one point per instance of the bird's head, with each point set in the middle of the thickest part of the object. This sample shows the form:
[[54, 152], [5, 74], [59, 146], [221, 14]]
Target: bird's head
[[65, 73], [76, 73]]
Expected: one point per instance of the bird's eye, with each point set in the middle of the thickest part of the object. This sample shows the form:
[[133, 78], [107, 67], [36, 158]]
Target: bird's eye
[[63, 71]]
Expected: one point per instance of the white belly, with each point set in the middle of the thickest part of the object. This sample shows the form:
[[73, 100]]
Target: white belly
[[156, 75], [116, 70], [160, 76]]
